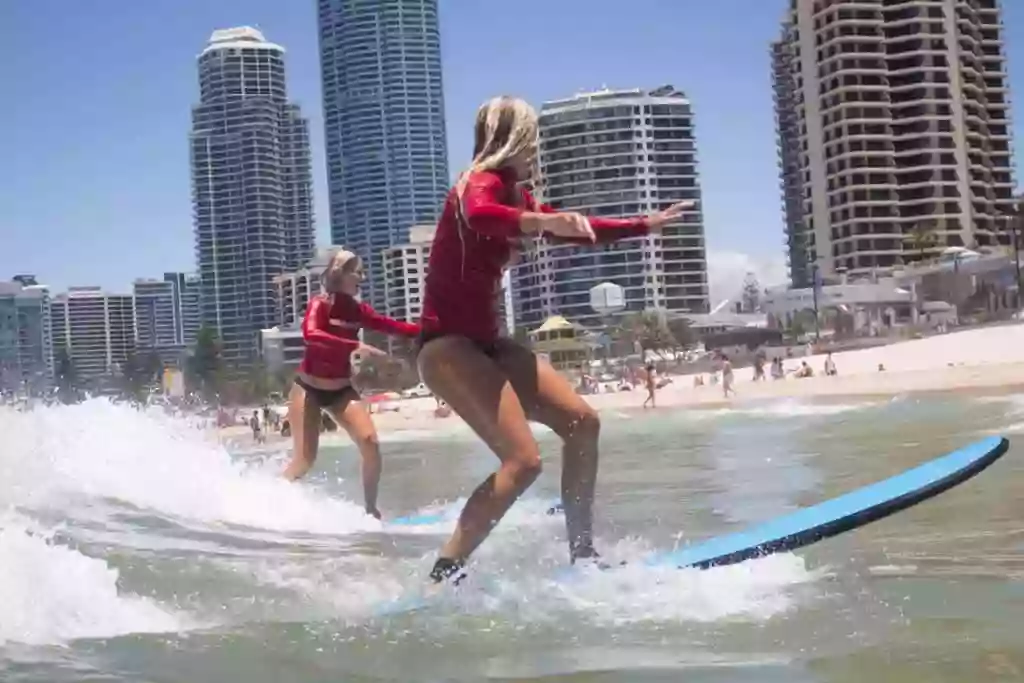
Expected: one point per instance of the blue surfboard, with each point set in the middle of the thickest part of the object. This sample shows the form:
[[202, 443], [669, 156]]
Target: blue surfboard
[[844, 513], [818, 522]]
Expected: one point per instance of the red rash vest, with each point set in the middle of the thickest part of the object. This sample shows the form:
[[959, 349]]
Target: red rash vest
[[330, 330], [467, 257]]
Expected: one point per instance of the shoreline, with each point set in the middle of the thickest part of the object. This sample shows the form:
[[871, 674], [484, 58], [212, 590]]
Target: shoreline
[[983, 362]]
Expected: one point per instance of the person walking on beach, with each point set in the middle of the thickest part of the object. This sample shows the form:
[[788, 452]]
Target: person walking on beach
[[254, 425], [727, 377], [494, 383], [323, 382], [649, 381]]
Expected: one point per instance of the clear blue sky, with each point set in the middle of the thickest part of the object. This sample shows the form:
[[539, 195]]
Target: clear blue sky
[[97, 97]]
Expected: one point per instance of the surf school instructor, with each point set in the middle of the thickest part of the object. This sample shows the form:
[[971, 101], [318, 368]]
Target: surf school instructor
[[323, 382], [495, 384]]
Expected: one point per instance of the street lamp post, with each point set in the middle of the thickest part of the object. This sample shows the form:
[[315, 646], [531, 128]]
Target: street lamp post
[[816, 282], [1016, 223]]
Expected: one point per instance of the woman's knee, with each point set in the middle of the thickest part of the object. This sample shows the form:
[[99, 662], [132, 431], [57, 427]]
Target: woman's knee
[[368, 442], [585, 423], [526, 468]]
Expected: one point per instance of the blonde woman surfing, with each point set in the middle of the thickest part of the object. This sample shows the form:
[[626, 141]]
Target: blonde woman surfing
[[495, 384], [324, 378]]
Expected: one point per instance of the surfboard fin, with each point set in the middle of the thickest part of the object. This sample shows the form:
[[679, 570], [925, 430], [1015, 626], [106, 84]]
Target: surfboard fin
[[447, 569]]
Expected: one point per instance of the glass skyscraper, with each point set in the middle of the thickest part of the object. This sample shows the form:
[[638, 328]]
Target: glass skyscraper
[[387, 157], [251, 185]]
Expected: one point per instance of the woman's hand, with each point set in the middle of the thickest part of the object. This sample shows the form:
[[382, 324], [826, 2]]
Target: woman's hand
[[657, 220], [367, 350]]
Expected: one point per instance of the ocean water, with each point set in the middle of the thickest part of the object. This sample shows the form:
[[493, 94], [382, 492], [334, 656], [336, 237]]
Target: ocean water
[[135, 548]]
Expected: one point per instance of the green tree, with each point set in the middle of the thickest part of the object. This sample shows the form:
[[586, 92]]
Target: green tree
[[922, 239], [204, 367], [152, 367], [385, 373], [650, 330], [682, 331], [68, 390], [130, 378], [258, 382], [799, 324], [522, 335], [139, 374], [751, 294]]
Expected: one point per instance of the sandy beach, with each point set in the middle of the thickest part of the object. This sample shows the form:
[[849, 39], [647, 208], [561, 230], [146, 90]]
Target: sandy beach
[[985, 360], [989, 359]]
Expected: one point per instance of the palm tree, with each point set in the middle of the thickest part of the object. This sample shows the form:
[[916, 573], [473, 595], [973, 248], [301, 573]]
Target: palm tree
[[650, 330], [922, 239], [204, 367]]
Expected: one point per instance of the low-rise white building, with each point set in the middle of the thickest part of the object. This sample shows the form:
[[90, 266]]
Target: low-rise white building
[[293, 290], [281, 349], [868, 305], [405, 273]]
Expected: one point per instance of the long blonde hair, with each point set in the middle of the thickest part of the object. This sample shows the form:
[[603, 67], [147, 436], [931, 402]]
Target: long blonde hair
[[505, 128], [341, 260]]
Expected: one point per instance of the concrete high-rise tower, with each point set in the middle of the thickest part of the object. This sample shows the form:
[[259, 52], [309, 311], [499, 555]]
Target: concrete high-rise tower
[[387, 156], [617, 153], [893, 123], [26, 343], [251, 186]]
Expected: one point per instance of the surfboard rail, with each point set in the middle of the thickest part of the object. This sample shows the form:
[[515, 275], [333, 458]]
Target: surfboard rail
[[842, 513]]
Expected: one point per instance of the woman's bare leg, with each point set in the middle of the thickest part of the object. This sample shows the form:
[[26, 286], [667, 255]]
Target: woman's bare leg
[[304, 418], [353, 416], [549, 399], [477, 390]]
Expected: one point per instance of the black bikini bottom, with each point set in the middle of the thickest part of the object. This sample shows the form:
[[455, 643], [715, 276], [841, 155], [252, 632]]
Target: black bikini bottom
[[489, 349], [328, 397]]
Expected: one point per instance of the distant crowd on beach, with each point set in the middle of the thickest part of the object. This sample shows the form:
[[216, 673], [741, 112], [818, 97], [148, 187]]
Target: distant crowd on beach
[[723, 373]]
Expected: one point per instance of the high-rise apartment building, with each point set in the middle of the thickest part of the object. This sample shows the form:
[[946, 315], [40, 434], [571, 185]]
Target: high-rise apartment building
[[251, 186], [186, 288], [26, 349], [95, 329], [387, 158], [294, 289], [156, 324], [893, 125], [617, 153], [405, 271], [166, 315]]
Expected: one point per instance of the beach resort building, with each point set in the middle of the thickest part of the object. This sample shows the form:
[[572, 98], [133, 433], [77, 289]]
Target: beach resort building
[[617, 153], [855, 308], [26, 346], [294, 289], [404, 270], [166, 315], [252, 186], [384, 126], [893, 132], [96, 331]]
